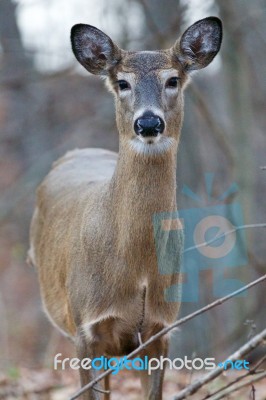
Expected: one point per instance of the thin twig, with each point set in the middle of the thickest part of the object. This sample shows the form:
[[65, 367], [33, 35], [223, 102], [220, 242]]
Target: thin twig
[[252, 371], [240, 386], [235, 229], [101, 390], [168, 329], [139, 338], [199, 383], [253, 392]]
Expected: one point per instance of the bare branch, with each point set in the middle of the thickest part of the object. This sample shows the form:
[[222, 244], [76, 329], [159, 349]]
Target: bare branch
[[247, 348], [252, 371], [235, 229], [140, 338], [240, 386], [170, 328], [101, 390], [253, 392]]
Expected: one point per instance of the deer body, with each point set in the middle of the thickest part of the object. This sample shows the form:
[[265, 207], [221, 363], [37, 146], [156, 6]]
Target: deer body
[[92, 237], [114, 223]]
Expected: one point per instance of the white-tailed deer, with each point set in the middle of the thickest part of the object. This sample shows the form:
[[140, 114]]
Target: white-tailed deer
[[92, 235]]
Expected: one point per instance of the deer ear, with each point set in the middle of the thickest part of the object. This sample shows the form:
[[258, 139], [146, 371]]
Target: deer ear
[[200, 43], [94, 49]]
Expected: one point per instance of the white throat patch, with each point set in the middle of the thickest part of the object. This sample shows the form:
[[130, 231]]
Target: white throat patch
[[158, 145]]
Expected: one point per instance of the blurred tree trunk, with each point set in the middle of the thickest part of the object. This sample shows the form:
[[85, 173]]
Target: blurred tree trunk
[[239, 102], [14, 61], [237, 74], [237, 77], [22, 97], [163, 22], [16, 68]]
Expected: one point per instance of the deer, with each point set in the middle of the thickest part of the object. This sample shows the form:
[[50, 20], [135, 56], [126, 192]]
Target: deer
[[91, 236]]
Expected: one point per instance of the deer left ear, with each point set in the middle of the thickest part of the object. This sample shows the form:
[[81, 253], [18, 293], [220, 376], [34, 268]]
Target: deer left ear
[[200, 43], [94, 49]]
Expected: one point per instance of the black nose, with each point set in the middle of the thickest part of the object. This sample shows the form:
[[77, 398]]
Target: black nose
[[149, 126]]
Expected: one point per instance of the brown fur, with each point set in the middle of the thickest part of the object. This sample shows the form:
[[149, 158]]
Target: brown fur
[[92, 235]]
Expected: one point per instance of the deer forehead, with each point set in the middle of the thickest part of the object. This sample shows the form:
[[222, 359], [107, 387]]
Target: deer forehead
[[145, 62]]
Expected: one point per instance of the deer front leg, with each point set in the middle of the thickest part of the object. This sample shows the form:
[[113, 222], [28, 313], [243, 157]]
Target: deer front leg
[[152, 385], [86, 348]]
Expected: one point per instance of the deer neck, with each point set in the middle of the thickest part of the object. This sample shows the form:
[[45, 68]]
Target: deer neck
[[141, 187]]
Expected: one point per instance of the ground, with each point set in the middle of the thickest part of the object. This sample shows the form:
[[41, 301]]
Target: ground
[[60, 385]]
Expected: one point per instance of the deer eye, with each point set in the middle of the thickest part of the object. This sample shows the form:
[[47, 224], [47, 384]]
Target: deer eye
[[123, 85], [172, 82]]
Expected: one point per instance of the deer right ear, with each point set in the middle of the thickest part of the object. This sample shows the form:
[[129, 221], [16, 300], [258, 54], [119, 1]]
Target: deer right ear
[[200, 43], [94, 49]]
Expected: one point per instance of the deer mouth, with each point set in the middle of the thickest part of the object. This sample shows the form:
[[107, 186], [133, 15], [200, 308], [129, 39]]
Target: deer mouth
[[152, 145], [150, 140]]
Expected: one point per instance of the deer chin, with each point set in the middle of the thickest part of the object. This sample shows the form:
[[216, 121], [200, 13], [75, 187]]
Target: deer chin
[[150, 139], [152, 145]]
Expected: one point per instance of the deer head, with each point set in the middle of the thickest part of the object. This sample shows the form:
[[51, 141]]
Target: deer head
[[148, 85]]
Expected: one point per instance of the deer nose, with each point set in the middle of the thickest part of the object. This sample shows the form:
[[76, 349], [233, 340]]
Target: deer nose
[[149, 126]]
